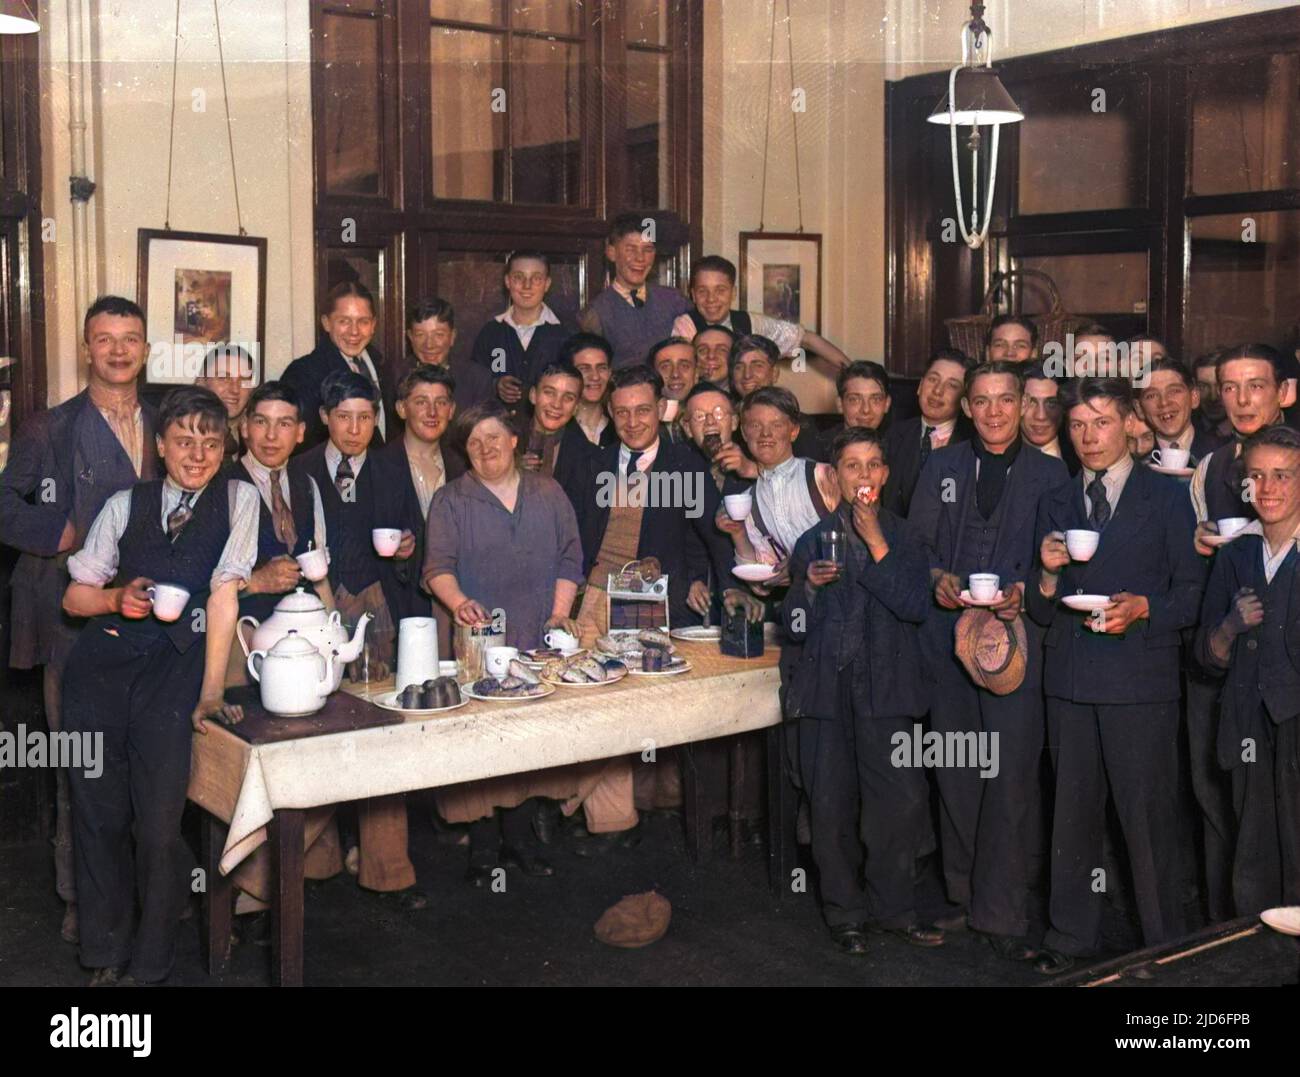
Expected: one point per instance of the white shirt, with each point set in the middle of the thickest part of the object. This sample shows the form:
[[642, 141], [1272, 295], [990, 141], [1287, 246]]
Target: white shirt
[[333, 458], [364, 359], [424, 490], [96, 562], [781, 497], [643, 463], [262, 480], [1052, 448], [1182, 441], [785, 335], [1116, 476], [1272, 559], [941, 434], [525, 332]]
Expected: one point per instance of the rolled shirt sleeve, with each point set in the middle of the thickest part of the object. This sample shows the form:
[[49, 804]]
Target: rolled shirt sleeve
[[95, 564], [240, 552], [318, 515], [684, 327], [568, 561], [1196, 489], [785, 335]]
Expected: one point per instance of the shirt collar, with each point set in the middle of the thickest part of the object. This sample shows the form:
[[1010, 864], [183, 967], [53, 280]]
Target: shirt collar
[[1256, 527], [782, 470], [333, 457], [942, 428], [1182, 441], [547, 317], [178, 491], [257, 469], [646, 459], [1052, 448], [643, 292], [1117, 472]]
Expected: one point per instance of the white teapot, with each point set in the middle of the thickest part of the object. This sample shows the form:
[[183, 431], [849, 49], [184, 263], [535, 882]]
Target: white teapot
[[303, 612], [295, 678]]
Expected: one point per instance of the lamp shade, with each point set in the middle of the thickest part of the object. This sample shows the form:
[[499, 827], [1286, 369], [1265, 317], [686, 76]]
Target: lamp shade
[[978, 98], [17, 18]]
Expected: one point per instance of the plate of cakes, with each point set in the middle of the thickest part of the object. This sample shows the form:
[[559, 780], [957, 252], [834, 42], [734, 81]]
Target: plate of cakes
[[647, 653], [520, 685], [432, 697], [583, 671], [540, 656]]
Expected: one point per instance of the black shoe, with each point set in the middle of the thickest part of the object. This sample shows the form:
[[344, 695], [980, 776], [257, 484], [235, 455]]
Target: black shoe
[[600, 844], [1053, 963], [408, 900], [524, 861], [916, 934], [109, 976], [849, 938], [546, 821], [953, 921], [1011, 947], [479, 874]]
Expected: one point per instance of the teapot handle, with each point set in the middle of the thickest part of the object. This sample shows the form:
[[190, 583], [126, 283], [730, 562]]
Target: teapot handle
[[335, 618], [240, 635], [255, 665]]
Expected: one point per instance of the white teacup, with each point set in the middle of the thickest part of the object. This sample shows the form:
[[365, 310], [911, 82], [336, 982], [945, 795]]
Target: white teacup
[[314, 564], [168, 600], [386, 540], [1171, 458], [448, 668], [1082, 543], [1230, 525], [496, 660], [739, 505], [561, 640], [984, 586]]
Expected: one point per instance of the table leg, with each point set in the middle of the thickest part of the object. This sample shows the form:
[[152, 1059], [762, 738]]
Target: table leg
[[782, 806], [218, 898], [695, 809], [287, 909]]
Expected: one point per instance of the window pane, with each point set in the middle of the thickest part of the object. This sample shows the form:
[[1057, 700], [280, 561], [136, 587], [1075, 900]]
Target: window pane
[[1112, 288], [1073, 158], [647, 21], [468, 136], [350, 90], [471, 281], [545, 125], [485, 11], [1242, 290], [648, 148], [558, 16], [1246, 125]]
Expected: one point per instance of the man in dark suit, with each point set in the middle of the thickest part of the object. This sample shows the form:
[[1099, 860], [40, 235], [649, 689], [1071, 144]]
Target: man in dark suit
[[64, 465], [974, 509], [1112, 678], [556, 445], [1250, 628], [676, 496], [941, 422], [1041, 417], [858, 690], [864, 399], [348, 319], [431, 333]]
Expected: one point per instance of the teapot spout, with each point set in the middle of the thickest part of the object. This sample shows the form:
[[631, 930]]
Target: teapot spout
[[350, 650]]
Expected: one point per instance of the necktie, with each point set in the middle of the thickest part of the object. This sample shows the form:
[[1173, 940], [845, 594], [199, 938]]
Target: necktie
[[1099, 517], [632, 458], [926, 444], [638, 300], [285, 530], [179, 516], [344, 477]]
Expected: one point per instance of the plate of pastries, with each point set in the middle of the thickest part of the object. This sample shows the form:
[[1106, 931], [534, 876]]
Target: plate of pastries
[[583, 671], [521, 684]]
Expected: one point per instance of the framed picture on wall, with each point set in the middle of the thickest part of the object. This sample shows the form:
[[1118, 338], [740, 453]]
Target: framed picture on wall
[[199, 289], [781, 276]]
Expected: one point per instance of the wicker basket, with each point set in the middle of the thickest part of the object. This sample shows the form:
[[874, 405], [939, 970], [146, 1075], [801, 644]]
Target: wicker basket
[[968, 332]]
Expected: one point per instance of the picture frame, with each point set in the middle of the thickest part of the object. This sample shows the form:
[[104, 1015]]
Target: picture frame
[[198, 289], [780, 276]]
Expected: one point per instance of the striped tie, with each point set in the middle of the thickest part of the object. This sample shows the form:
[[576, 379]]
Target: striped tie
[[344, 477], [180, 516], [282, 518]]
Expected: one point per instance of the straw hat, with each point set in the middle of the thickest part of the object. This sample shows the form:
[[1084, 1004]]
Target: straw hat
[[637, 920], [993, 651]]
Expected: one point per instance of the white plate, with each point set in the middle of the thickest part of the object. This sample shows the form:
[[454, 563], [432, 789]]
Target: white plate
[[1176, 472], [1284, 918], [685, 667], [467, 691], [753, 573], [970, 600], [1087, 603], [538, 663], [590, 684], [1219, 540], [697, 634], [389, 702]]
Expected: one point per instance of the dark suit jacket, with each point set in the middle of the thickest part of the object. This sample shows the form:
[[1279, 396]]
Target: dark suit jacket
[[941, 502], [305, 375], [65, 463], [397, 500], [903, 454], [1203, 443], [874, 611], [1146, 549], [665, 529]]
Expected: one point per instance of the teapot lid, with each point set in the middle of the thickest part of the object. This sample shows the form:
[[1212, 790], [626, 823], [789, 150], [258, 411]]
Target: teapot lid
[[291, 644], [300, 601]]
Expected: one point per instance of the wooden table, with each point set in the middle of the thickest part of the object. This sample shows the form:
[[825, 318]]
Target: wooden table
[[257, 793]]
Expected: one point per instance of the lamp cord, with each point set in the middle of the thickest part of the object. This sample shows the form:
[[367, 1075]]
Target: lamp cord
[[171, 124], [767, 122], [794, 115], [230, 137]]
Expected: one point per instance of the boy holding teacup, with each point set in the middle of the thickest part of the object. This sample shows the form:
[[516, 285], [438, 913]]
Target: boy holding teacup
[[146, 667], [1250, 628], [1168, 401], [973, 508]]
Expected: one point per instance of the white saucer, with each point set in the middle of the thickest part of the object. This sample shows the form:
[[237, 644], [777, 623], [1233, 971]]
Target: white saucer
[[969, 600], [754, 573], [697, 634], [1087, 603], [1219, 540], [672, 671], [1284, 918], [1176, 472]]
